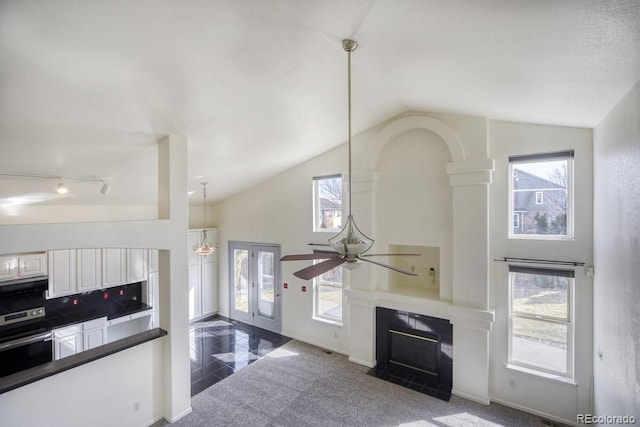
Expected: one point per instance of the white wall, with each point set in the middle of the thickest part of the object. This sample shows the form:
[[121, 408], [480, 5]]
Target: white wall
[[550, 398], [617, 248], [279, 211]]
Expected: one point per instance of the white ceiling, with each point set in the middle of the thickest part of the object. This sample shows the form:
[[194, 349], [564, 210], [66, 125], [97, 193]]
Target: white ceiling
[[258, 86]]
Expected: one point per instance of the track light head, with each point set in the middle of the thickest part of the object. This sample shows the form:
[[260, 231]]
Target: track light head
[[105, 189], [61, 188]]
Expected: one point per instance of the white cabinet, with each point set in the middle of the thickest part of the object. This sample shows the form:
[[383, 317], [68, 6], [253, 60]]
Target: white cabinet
[[23, 265], [202, 278], [67, 341], [32, 265], [73, 339], [8, 268], [137, 266], [154, 260], [114, 267], [94, 333], [120, 266], [89, 270], [62, 273], [153, 298]]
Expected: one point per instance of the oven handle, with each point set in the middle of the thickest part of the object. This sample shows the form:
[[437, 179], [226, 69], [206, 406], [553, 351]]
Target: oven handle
[[26, 340]]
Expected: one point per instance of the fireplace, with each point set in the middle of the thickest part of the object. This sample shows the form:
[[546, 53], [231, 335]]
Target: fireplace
[[415, 351]]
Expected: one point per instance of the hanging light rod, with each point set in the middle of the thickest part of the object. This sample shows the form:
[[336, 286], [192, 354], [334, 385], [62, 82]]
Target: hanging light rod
[[61, 188]]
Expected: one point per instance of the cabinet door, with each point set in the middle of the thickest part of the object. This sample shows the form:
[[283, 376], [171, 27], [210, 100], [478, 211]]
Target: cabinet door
[[136, 265], [114, 262], [32, 265], [67, 341], [62, 273], [8, 268], [154, 264], [195, 305], [208, 288], [89, 266], [95, 337]]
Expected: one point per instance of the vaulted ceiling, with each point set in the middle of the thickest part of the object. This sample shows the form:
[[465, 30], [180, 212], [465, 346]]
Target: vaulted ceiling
[[258, 86]]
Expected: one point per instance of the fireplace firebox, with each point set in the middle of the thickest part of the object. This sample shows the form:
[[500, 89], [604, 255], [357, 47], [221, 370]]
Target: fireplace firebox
[[415, 351]]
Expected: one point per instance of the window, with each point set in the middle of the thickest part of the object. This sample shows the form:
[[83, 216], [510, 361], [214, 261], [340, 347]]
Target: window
[[327, 296], [541, 190], [540, 319], [327, 203]]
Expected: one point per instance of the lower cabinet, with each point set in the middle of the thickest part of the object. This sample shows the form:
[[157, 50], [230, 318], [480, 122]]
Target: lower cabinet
[[74, 339]]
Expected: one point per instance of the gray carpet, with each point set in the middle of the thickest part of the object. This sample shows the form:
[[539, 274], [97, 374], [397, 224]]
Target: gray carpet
[[302, 385]]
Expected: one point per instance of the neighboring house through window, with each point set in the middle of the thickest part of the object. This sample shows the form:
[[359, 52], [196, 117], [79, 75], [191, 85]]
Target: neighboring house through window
[[327, 203], [541, 193]]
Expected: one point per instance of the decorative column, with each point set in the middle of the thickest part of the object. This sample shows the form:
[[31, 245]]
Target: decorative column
[[469, 312]]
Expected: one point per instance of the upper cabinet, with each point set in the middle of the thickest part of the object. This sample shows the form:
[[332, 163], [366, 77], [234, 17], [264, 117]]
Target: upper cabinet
[[202, 277], [75, 271], [24, 265]]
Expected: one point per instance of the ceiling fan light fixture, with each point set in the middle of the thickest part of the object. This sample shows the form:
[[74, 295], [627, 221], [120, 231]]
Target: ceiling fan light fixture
[[204, 247]]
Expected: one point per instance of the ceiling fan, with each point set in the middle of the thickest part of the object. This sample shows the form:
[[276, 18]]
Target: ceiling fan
[[350, 244]]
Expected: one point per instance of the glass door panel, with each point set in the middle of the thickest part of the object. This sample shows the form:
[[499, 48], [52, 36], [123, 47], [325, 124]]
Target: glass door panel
[[266, 285]]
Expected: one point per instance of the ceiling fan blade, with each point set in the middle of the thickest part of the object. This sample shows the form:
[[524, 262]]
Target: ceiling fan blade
[[318, 244], [317, 269], [399, 270], [303, 257], [391, 255]]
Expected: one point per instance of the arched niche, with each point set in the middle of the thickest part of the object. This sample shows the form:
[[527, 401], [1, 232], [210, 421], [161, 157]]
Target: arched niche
[[413, 210]]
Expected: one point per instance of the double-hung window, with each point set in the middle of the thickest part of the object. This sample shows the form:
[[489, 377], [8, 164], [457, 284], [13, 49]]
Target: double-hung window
[[327, 296], [327, 203], [541, 319], [541, 194]]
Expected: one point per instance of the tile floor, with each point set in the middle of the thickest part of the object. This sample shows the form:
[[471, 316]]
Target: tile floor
[[423, 383], [220, 346]]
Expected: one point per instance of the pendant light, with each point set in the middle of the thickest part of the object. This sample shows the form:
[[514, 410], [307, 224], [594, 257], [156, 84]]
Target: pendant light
[[204, 247]]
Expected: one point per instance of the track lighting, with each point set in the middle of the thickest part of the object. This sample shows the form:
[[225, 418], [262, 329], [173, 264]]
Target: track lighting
[[61, 187], [105, 189]]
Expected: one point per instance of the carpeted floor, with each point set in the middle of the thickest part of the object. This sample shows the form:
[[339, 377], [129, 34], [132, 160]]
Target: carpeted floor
[[302, 385]]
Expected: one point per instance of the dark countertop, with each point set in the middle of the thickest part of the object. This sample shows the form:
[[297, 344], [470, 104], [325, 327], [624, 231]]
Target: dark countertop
[[37, 373], [56, 320]]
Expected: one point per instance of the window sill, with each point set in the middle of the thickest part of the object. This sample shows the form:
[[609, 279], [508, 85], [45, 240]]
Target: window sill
[[541, 237], [546, 376], [327, 321]]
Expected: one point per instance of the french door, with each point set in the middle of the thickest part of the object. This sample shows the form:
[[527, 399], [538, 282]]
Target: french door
[[254, 282]]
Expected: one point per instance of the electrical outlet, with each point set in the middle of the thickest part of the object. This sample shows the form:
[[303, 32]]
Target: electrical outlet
[[512, 383], [136, 406]]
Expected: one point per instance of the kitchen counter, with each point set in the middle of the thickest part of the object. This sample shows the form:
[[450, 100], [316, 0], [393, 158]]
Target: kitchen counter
[[37, 373]]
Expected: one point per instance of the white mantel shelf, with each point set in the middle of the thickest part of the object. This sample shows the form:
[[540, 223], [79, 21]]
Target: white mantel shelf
[[425, 302]]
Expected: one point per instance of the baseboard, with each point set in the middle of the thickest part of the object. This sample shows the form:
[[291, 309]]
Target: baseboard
[[155, 420], [180, 415], [470, 397], [534, 412], [323, 346], [361, 362]]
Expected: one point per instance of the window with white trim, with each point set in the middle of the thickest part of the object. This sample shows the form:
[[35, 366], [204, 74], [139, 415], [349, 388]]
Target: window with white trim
[[541, 191], [327, 296], [327, 203], [541, 319]]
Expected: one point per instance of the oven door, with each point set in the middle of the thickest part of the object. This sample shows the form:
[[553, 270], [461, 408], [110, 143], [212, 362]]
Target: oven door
[[24, 353]]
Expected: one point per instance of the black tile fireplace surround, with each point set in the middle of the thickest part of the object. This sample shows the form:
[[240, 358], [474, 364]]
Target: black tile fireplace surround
[[414, 351]]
